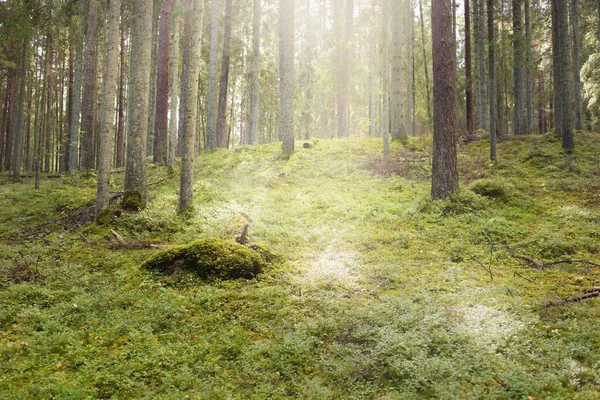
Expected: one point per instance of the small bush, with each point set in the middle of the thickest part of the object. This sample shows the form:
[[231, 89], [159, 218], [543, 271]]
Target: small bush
[[490, 188]]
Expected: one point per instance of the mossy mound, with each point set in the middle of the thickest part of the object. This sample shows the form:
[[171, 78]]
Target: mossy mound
[[490, 188], [209, 259]]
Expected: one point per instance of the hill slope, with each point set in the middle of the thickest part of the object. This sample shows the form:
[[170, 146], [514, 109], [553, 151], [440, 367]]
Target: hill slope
[[385, 294]]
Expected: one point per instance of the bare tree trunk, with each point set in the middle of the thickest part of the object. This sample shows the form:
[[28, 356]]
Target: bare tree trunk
[[492, 78], [468, 73], [444, 173], [191, 102], [19, 131], [224, 81], [211, 131], [174, 88], [109, 93], [519, 62], [89, 90], [161, 118], [286, 74], [425, 62], [561, 55], [481, 95], [576, 63], [385, 77], [134, 197], [254, 99], [120, 142], [398, 132], [528, 70]]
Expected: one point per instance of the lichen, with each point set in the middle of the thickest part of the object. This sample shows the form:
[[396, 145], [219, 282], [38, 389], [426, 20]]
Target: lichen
[[209, 258]]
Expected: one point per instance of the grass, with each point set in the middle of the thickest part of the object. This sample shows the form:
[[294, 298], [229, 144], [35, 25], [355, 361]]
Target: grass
[[384, 294]]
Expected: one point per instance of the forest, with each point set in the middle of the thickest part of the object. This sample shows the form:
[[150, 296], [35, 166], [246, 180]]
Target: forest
[[299, 199]]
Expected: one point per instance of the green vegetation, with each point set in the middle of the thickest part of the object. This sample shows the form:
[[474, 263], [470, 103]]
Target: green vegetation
[[385, 295]]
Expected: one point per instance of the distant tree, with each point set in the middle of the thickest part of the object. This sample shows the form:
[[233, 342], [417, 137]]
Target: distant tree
[[134, 197], [109, 93], [224, 81], [211, 102], [186, 184], [397, 119], [493, 112], [519, 65], [444, 174], [286, 74], [468, 72], [576, 63], [481, 95], [175, 86], [254, 99]]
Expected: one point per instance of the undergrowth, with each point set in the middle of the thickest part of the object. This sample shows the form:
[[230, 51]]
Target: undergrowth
[[385, 294]]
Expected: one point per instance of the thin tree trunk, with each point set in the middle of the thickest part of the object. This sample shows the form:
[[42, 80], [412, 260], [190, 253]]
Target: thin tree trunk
[[224, 81], [153, 79], [191, 102], [211, 133], [576, 63], [425, 62], [286, 74], [398, 132], [468, 73], [561, 54], [89, 90], [492, 78], [19, 131], [120, 142], [255, 98], [174, 89], [385, 74], [161, 118], [528, 70], [519, 61], [444, 169], [109, 93], [481, 95], [134, 197]]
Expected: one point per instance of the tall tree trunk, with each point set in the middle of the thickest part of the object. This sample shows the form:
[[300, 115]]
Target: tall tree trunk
[[561, 54], [343, 96], [211, 132], [397, 120], [134, 197], [75, 102], [19, 132], [481, 95], [576, 64], [89, 90], [385, 76], [161, 118], [224, 81], [174, 88], [187, 37], [286, 74], [153, 78], [408, 65], [425, 62], [528, 70], [109, 93], [468, 73], [120, 142], [254, 99], [444, 169], [190, 118], [519, 62], [493, 115]]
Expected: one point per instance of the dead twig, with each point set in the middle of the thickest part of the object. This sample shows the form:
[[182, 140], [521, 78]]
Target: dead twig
[[123, 244], [591, 294]]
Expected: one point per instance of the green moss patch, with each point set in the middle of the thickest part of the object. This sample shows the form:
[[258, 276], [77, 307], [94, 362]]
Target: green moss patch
[[208, 258]]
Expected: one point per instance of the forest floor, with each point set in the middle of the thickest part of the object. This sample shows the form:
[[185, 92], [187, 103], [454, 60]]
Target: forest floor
[[385, 294]]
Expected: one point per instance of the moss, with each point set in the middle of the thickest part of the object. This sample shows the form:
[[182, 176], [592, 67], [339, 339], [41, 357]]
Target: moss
[[104, 217], [133, 201], [267, 254], [490, 188], [208, 258]]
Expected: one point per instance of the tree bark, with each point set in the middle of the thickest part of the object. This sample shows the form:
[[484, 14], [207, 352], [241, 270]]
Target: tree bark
[[255, 97], [190, 114], [89, 90], [19, 132], [425, 62], [286, 74], [397, 120], [528, 70], [519, 63], [120, 142], [444, 169], [468, 72], [576, 63], [134, 197], [109, 93], [211, 128], [493, 115], [174, 88], [161, 118], [481, 95], [224, 81]]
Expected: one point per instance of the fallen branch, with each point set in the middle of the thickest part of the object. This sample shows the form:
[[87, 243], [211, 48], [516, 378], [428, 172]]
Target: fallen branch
[[543, 265], [123, 244], [594, 293]]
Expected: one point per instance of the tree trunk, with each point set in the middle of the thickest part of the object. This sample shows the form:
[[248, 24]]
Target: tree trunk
[[286, 74], [519, 62], [109, 93], [385, 76], [576, 63], [481, 95], [120, 142], [444, 170], [224, 81], [19, 131], [398, 132], [211, 128], [190, 118], [493, 115], [89, 90], [161, 118], [254, 99], [468, 73], [561, 55], [174, 88], [528, 70], [134, 197], [425, 62]]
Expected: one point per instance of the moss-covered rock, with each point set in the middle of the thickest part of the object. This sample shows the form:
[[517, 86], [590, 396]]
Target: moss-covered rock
[[209, 258]]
